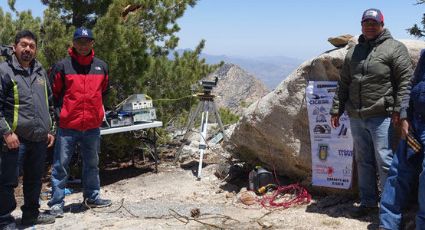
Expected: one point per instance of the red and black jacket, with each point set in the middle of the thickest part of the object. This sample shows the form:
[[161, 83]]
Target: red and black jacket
[[79, 84]]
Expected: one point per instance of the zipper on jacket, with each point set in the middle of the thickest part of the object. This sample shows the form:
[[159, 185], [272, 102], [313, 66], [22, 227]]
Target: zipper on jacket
[[85, 74], [84, 101], [365, 66]]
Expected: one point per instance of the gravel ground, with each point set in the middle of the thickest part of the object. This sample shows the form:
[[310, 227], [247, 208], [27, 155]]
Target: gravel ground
[[164, 200]]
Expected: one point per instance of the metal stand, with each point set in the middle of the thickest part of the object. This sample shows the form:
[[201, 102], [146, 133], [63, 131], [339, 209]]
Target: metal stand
[[206, 103], [151, 140]]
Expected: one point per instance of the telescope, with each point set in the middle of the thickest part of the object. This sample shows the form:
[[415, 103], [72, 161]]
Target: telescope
[[209, 85]]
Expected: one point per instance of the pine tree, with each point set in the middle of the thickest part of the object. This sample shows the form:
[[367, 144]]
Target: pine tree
[[79, 12], [415, 30], [135, 38]]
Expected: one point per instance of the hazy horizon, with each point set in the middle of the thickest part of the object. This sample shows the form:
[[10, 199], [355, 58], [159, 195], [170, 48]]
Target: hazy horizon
[[295, 29]]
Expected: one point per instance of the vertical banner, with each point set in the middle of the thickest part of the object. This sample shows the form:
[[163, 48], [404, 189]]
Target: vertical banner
[[331, 149]]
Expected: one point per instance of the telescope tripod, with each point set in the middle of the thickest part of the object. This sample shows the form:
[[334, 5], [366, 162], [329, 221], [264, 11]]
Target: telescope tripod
[[206, 104]]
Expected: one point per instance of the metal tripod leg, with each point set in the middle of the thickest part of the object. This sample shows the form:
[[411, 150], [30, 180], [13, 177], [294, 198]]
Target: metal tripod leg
[[206, 102], [218, 118], [203, 132], [189, 127], [203, 137]]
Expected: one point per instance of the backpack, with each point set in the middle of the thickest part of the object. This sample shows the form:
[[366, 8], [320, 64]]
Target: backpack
[[417, 94]]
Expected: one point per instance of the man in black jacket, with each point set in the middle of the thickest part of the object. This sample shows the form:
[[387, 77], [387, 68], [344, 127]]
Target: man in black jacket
[[26, 125]]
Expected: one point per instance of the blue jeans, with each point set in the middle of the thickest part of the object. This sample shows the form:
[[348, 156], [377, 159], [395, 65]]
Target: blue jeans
[[373, 154], [34, 155], [66, 140], [403, 174]]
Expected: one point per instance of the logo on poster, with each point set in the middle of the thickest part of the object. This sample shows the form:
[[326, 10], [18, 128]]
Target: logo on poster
[[323, 151], [330, 171]]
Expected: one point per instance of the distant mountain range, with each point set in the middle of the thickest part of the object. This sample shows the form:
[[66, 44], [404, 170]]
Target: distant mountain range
[[271, 69]]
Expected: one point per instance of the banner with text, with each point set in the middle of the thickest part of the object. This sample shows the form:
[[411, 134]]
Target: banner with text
[[331, 149]]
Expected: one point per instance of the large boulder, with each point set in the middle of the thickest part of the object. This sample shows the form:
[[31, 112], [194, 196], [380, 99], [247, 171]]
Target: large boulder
[[274, 130]]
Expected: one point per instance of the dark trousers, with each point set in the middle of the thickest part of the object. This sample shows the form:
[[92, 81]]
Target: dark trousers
[[33, 157]]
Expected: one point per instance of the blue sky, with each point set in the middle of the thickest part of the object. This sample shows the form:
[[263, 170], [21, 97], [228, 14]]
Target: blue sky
[[293, 28]]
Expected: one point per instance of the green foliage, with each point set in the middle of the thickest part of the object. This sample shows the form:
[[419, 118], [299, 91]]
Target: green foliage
[[227, 117], [138, 58], [135, 43], [25, 20], [55, 38], [173, 79], [415, 30], [7, 28], [79, 12], [244, 104], [11, 4], [118, 146]]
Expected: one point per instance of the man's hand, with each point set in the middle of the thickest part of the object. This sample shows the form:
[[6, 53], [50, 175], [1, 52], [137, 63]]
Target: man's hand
[[12, 140], [50, 140], [395, 118], [334, 121], [404, 128]]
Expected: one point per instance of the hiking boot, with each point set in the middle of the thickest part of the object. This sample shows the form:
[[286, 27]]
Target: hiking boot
[[362, 211], [42, 218], [56, 211], [9, 226], [98, 203]]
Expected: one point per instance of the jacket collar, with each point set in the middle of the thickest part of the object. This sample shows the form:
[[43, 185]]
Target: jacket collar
[[381, 38], [82, 60], [14, 63]]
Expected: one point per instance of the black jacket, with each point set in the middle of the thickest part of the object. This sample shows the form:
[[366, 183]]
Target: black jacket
[[26, 106]]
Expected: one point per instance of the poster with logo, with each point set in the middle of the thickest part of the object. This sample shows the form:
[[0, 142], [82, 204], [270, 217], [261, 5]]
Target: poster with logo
[[331, 149]]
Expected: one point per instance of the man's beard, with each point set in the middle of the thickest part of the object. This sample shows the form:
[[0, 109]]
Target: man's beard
[[27, 57]]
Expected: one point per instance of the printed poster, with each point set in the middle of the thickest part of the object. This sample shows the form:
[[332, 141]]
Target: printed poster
[[331, 149]]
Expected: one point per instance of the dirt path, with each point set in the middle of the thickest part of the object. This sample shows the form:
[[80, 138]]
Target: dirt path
[[164, 200]]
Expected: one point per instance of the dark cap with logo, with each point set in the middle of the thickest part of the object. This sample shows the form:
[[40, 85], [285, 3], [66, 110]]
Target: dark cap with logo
[[83, 32], [373, 14]]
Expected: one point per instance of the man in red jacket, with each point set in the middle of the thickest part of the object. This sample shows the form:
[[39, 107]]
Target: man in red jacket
[[79, 84]]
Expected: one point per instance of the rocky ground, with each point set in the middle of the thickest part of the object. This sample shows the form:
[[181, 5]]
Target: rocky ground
[[174, 199]]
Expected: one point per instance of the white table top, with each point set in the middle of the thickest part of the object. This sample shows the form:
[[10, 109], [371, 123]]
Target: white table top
[[121, 129]]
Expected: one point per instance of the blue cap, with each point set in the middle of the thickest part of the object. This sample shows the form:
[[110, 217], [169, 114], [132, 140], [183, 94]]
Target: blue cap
[[83, 32]]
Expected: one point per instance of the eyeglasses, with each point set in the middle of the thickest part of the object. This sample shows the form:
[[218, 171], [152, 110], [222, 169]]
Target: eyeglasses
[[371, 23]]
